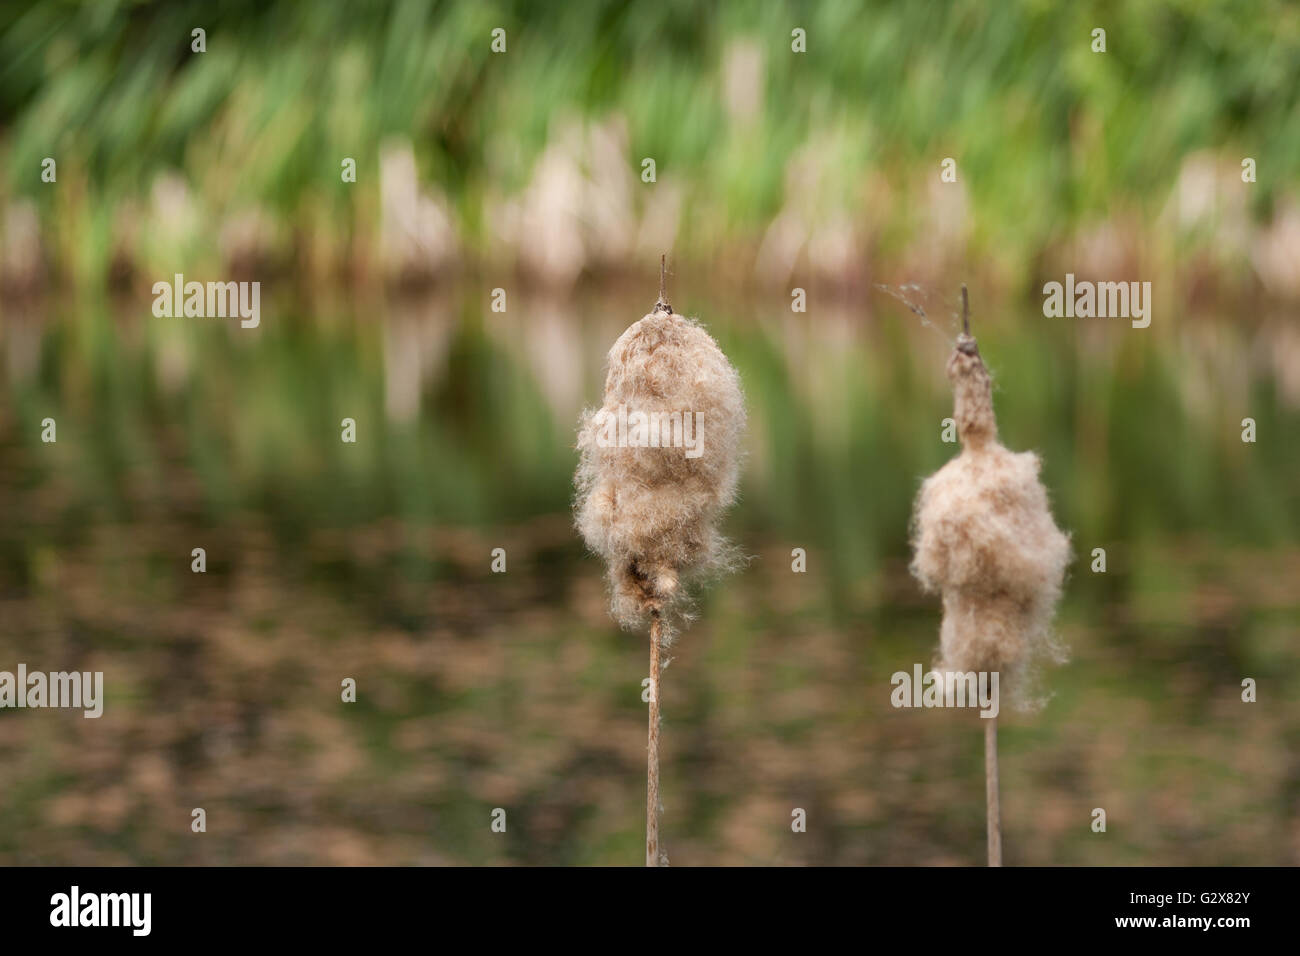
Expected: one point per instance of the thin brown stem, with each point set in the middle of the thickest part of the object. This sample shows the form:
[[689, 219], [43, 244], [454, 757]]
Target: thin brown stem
[[966, 342], [652, 757], [991, 790], [662, 304]]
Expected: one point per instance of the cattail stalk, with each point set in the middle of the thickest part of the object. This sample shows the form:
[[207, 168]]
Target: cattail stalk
[[652, 753], [991, 790], [651, 508], [984, 538], [993, 809]]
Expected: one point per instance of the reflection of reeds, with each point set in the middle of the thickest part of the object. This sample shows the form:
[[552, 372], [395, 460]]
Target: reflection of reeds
[[652, 512], [387, 538]]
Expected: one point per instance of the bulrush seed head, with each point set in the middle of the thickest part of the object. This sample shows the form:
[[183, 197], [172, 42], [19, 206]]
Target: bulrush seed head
[[652, 512], [984, 538]]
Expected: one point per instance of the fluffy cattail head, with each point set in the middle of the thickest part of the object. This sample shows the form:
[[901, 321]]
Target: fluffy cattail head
[[659, 462], [983, 536]]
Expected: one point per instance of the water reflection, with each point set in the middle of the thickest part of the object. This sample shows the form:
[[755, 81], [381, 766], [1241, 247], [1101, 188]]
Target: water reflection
[[328, 560]]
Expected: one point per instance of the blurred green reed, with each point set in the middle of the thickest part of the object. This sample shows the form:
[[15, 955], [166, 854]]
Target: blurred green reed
[[1049, 136]]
